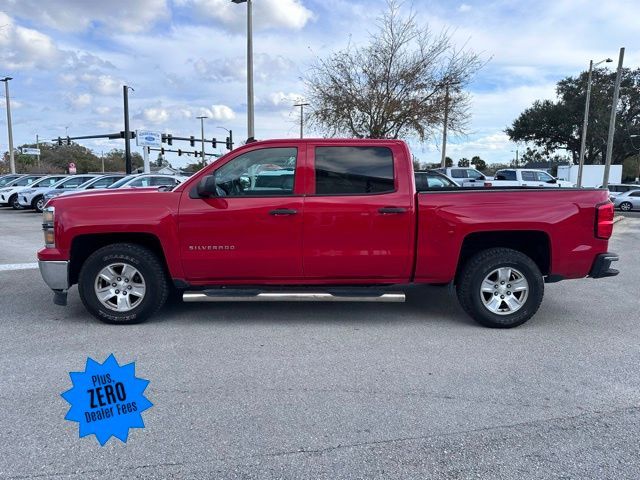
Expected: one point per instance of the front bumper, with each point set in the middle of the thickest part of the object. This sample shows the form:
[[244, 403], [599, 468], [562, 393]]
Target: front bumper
[[602, 266], [55, 274], [25, 200]]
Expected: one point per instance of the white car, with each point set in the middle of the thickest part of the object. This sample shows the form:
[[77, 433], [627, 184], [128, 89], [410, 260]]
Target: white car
[[33, 195], [521, 177], [147, 180], [464, 176], [9, 193]]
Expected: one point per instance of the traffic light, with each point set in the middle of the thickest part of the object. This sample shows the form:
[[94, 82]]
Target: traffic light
[[179, 152], [170, 139], [68, 141], [229, 144], [192, 141], [214, 143], [162, 151], [59, 141]]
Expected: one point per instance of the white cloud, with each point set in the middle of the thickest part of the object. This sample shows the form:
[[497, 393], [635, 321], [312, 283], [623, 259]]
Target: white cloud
[[76, 16], [156, 115], [25, 48], [464, 8], [102, 84], [80, 101], [265, 68], [279, 99], [289, 14]]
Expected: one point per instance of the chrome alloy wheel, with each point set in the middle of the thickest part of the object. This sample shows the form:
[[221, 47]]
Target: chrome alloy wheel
[[120, 287], [504, 291], [40, 204]]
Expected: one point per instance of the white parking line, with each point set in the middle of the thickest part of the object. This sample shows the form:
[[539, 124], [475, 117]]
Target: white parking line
[[18, 266]]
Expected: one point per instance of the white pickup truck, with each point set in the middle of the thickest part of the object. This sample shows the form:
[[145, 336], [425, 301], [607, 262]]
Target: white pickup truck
[[520, 177]]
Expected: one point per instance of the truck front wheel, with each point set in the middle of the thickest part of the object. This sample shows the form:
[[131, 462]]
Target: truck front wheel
[[123, 283], [500, 288]]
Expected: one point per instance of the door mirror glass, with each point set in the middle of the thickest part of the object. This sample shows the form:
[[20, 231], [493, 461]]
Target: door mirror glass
[[207, 187]]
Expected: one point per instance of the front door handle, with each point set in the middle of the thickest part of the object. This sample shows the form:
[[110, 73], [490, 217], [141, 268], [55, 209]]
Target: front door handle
[[389, 210], [282, 211]]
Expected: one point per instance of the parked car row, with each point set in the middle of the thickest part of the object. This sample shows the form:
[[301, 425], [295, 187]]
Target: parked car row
[[34, 191]]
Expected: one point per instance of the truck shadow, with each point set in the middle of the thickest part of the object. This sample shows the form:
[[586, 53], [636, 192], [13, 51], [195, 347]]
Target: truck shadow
[[424, 304]]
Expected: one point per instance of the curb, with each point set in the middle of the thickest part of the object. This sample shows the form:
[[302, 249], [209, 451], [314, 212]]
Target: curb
[[617, 219]]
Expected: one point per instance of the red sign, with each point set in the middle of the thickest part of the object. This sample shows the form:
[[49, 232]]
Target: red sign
[[72, 168]]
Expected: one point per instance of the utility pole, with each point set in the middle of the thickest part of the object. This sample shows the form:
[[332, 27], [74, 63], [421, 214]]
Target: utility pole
[[127, 131], [612, 121], [12, 162], [202, 117], [38, 147], [102, 158], [585, 121], [250, 103], [443, 161], [301, 105]]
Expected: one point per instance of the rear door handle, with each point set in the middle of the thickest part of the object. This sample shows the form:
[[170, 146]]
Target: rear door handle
[[283, 211], [390, 210]]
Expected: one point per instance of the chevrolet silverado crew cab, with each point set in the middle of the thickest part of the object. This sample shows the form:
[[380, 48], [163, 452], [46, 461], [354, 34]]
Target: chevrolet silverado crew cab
[[334, 220]]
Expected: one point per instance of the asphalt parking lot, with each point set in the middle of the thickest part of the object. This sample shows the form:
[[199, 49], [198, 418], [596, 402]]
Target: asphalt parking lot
[[414, 390]]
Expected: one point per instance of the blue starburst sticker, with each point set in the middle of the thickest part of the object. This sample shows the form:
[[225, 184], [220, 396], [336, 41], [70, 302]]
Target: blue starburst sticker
[[107, 399]]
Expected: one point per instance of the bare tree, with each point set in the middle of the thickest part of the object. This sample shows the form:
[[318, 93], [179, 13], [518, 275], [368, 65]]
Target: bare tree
[[394, 86]]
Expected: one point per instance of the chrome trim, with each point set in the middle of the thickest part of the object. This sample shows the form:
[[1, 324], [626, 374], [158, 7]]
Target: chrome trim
[[55, 273], [396, 297]]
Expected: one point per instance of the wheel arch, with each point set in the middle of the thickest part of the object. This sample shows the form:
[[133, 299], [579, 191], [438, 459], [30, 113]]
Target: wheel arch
[[536, 244], [83, 246]]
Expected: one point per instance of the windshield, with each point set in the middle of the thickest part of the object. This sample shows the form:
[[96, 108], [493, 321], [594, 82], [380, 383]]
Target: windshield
[[120, 183], [7, 180], [23, 182]]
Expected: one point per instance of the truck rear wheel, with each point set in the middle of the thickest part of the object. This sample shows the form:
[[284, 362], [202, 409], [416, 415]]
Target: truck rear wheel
[[500, 288], [123, 283]]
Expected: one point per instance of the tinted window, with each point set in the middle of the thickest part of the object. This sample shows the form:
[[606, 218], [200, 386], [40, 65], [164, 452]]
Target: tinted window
[[528, 176], [458, 173], [23, 182], [635, 194], [544, 177], [475, 175], [268, 171], [103, 182], [160, 181], [73, 182], [505, 175], [46, 182], [353, 170]]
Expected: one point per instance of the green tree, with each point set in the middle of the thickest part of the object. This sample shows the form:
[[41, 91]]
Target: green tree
[[463, 162], [478, 163], [448, 162], [553, 125]]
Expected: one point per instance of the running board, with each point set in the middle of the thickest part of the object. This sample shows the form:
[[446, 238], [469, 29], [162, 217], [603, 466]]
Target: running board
[[239, 295]]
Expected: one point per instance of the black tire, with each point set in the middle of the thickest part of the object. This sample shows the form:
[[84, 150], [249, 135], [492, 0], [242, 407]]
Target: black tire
[[13, 201], [626, 206], [38, 204], [479, 267], [142, 259]]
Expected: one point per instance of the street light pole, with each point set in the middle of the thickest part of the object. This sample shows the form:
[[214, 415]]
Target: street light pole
[[127, 131], [585, 121], [612, 121], [301, 105], [12, 163], [202, 117], [250, 103], [38, 148]]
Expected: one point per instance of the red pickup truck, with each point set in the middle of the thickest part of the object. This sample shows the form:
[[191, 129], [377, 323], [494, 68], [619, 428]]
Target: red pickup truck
[[321, 219]]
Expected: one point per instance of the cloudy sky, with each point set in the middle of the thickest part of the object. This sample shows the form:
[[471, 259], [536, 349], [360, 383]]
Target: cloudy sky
[[184, 58]]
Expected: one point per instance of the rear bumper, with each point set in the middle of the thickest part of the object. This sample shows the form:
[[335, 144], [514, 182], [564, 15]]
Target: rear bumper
[[602, 266], [55, 273]]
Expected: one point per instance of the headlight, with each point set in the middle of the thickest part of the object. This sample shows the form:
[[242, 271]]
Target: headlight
[[48, 224]]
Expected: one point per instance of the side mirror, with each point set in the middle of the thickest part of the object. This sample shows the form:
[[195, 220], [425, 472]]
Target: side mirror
[[207, 187]]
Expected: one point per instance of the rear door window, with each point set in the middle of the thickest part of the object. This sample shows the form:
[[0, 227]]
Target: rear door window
[[458, 173], [528, 176], [354, 170]]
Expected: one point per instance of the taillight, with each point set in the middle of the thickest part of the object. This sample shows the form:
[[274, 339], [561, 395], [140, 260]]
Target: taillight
[[604, 220]]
